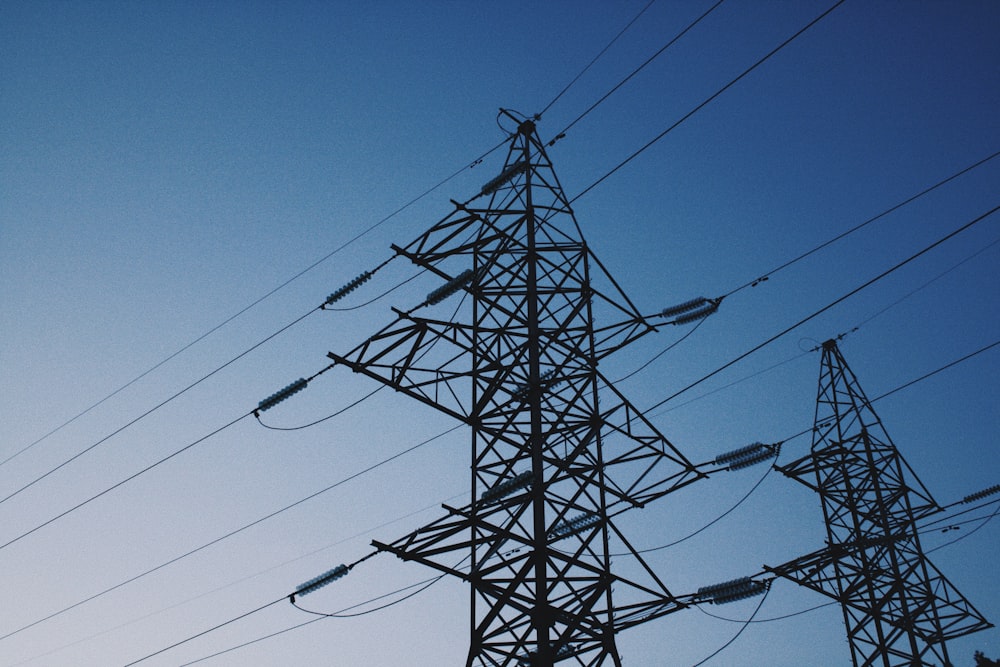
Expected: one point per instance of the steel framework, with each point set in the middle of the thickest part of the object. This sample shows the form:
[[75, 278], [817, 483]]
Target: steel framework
[[557, 451], [899, 610]]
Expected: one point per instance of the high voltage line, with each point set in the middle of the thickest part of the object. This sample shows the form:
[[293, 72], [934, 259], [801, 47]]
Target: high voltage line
[[190, 386], [756, 348], [319, 261], [428, 441], [427, 582], [706, 102], [440, 184], [348, 243]]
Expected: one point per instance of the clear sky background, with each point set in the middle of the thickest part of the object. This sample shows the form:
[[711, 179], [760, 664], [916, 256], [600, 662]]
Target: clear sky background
[[165, 165]]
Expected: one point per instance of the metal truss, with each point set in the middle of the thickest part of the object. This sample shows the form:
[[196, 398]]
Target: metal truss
[[557, 451], [899, 610]]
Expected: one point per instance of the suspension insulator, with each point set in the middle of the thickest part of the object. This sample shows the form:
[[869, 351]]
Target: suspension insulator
[[279, 396], [507, 487], [731, 591], [348, 288], [574, 526], [744, 457], [684, 307], [973, 497], [702, 312], [322, 580], [449, 288], [505, 176]]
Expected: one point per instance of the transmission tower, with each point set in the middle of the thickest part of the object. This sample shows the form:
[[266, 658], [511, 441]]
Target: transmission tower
[[899, 610], [557, 451]]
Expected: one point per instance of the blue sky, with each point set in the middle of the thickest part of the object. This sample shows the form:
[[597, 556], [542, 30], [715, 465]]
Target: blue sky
[[164, 165]]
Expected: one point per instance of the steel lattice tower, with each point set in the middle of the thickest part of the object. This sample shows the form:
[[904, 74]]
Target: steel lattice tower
[[557, 451], [898, 608]]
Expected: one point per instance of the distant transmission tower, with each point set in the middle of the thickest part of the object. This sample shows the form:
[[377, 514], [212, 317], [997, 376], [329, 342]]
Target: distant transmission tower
[[898, 608], [517, 360]]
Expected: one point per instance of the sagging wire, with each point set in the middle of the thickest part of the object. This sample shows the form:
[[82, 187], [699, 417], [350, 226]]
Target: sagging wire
[[156, 407], [427, 583], [421, 586], [277, 398], [322, 419], [746, 624], [701, 317], [659, 354], [713, 521], [772, 619], [380, 296], [230, 621]]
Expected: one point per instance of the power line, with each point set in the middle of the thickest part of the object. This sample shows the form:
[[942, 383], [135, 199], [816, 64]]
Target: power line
[[935, 372], [862, 322], [231, 533], [621, 83], [218, 589], [320, 617], [746, 624], [253, 304], [827, 307], [707, 101], [713, 521], [157, 406], [124, 481], [985, 520], [427, 441], [864, 224], [840, 336], [595, 59], [205, 632]]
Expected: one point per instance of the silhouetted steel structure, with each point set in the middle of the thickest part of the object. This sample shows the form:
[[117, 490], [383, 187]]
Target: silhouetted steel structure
[[898, 608], [517, 361]]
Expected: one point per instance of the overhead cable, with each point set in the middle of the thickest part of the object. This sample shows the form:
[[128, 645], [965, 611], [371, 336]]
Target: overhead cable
[[137, 474], [638, 69], [830, 305], [157, 407], [746, 624], [927, 190], [236, 531], [256, 302], [706, 102], [595, 59]]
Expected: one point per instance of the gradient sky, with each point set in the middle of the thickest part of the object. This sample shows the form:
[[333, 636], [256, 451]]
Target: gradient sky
[[165, 165]]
